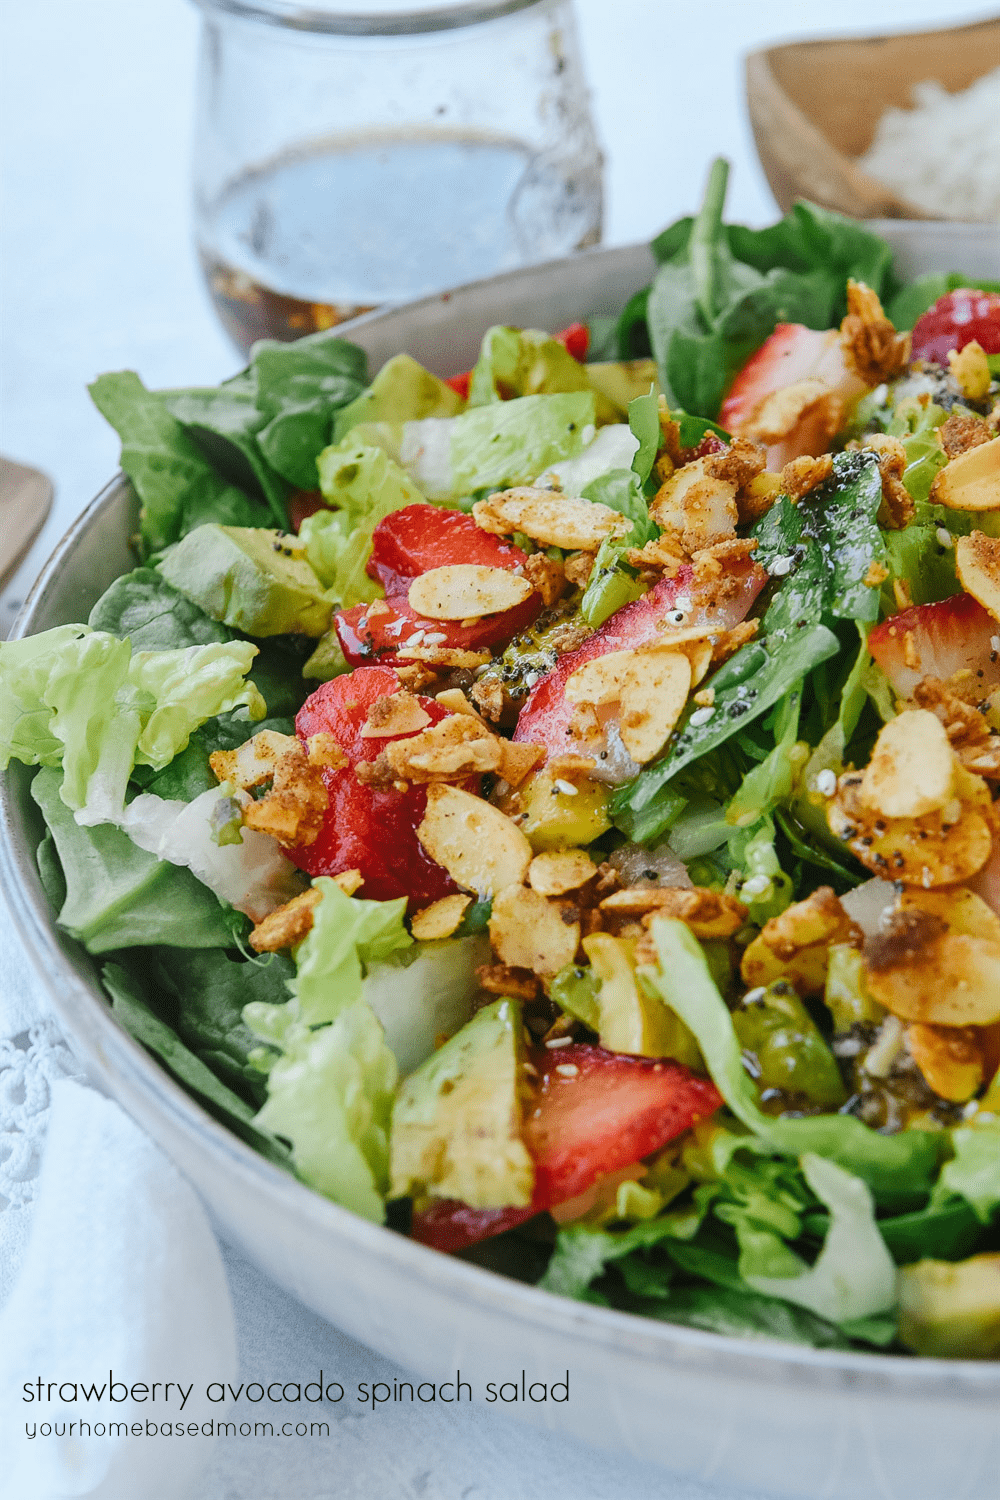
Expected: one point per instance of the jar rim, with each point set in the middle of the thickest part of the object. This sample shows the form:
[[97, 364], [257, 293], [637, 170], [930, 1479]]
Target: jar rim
[[378, 21]]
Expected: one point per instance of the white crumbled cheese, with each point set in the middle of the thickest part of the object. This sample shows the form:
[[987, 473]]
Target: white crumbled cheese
[[826, 783], [944, 537], [943, 155], [701, 716]]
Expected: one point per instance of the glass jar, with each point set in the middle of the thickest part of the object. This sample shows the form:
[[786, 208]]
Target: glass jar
[[347, 159]]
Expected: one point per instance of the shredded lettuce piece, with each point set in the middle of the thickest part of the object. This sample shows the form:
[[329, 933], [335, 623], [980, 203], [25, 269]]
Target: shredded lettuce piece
[[974, 1171], [331, 1087], [81, 698], [363, 485], [897, 1168], [854, 1276]]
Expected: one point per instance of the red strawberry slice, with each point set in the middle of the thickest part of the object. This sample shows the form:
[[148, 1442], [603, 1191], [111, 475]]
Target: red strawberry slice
[[954, 321], [954, 635], [575, 340], [301, 504], [365, 828], [610, 1113], [673, 604], [460, 383], [383, 632], [792, 353], [417, 538]]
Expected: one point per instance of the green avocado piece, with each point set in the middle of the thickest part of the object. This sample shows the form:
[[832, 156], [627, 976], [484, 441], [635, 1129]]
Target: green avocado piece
[[621, 381], [402, 391], [249, 577], [951, 1309], [456, 1124]]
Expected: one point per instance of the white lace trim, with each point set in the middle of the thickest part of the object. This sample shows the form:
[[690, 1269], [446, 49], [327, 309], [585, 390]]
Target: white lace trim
[[29, 1064]]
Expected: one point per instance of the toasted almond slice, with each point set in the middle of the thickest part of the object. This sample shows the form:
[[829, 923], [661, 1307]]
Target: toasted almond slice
[[465, 591], [554, 520], [481, 849], [698, 644], [709, 914], [529, 932], [253, 762], [559, 871], [286, 925], [448, 656], [654, 692], [456, 702], [977, 562], [599, 680], [399, 713], [696, 506], [516, 761], [972, 480], [912, 769], [951, 1058], [350, 881], [440, 920], [323, 750], [457, 747]]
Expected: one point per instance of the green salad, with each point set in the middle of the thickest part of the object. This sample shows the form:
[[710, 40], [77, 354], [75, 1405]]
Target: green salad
[[551, 810]]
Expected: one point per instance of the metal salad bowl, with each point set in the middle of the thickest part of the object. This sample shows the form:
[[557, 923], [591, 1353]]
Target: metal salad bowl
[[757, 1414]]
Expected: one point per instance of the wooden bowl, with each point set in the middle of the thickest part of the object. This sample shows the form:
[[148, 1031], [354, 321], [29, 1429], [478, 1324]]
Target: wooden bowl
[[814, 107]]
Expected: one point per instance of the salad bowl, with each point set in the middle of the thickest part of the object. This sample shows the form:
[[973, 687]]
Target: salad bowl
[[763, 1415]]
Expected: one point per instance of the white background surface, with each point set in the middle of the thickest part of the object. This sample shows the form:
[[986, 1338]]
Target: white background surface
[[98, 273]]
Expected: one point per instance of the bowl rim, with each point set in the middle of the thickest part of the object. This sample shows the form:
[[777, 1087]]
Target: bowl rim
[[110, 1053]]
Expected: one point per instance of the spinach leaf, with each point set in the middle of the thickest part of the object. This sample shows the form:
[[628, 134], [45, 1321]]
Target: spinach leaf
[[152, 614], [118, 896], [224, 421], [299, 389], [743, 1314], [130, 1006], [177, 486]]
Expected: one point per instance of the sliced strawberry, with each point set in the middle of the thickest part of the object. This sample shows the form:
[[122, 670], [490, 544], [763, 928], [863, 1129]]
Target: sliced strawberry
[[545, 717], [610, 1113], [417, 538], [954, 321], [955, 635], [792, 354], [383, 632], [367, 829], [460, 383], [303, 503], [575, 340]]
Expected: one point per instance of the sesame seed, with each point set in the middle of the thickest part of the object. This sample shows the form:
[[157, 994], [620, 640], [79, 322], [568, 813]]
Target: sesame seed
[[568, 1070], [995, 642], [416, 639], [559, 1041], [701, 715], [434, 637], [826, 783], [944, 537], [566, 787], [676, 617]]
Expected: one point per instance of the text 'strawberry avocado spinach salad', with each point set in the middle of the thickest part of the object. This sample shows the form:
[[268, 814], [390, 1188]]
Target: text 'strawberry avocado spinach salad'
[[553, 809]]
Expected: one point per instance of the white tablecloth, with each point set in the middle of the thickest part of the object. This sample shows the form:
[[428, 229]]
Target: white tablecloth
[[99, 274]]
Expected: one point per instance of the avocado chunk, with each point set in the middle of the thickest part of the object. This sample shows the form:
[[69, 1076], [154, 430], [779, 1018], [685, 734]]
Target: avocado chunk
[[456, 1124], [402, 391], [951, 1309], [559, 814], [249, 577]]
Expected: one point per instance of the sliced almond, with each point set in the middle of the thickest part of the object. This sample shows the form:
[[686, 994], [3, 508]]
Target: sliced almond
[[457, 747], [697, 506], [977, 563], [448, 656], [456, 702], [655, 689], [553, 520], [937, 960], [697, 642], [559, 871], [253, 762], [482, 850], [287, 925], [465, 591], [912, 769], [323, 749], [971, 481], [951, 1058], [440, 920], [599, 680], [399, 713], [529, 932], [518, 760], [709, 914]]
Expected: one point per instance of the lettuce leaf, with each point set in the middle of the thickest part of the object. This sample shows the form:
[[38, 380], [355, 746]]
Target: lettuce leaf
[[973, 1172], [363, 485], [82, 699], [177, 486], [331, 1085], [898, 1169]]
